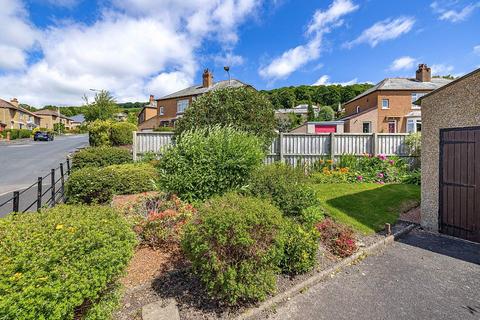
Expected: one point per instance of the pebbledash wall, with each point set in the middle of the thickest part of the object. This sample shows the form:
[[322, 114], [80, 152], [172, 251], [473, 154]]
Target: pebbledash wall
[[296, 149], [455, 105]]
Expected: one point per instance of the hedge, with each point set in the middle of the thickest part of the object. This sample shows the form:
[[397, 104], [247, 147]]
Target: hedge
[[54, 261], [100, 157]]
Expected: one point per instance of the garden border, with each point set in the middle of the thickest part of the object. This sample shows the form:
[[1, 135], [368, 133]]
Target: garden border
[[377, 246]]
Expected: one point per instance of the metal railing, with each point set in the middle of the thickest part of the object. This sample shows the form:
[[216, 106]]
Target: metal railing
[[47, 191]]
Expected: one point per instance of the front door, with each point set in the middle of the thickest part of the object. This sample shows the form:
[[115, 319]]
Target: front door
[[392, 127], [459, 194]]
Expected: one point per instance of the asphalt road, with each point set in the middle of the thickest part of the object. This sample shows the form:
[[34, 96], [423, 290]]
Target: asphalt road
[[422, 276], [22, 163]]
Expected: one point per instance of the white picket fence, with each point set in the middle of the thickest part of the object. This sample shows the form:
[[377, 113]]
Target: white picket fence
[[298, 148]]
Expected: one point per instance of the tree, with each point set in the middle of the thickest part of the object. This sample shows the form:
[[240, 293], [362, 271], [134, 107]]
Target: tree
[[242, 108], [326, 113], [102, 108], [310, 112]]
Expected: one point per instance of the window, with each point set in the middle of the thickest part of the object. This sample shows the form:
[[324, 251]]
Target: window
[[182, 105], [162, 111], [414, 125], [415, 97], [358, 109], [385, 104], [367, 127], [392, 126]]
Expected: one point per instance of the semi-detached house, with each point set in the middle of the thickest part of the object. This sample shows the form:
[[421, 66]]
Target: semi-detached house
[[13, 116], [171, 107], [388, 107]]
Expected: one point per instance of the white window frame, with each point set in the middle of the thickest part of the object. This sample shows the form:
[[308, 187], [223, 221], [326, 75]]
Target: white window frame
[[182, 105], [369, 126], [414, 124], [162, 111], [358, 109], [395, 126], [414, 97], [388, 103]]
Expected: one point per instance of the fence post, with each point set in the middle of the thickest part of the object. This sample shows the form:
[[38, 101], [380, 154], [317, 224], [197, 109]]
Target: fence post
[[63, 180], [134, 146], [280, 147], [375, 144], [68, 166], [332, 145], [39, 193], [16, 201], [52, 173]]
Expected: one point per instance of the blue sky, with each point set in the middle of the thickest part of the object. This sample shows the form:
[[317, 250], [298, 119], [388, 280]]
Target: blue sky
[[54, 51]]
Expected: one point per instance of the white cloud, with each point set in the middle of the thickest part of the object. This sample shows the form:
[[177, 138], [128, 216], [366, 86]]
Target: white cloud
[[229, 59], [323, 80], [294, 58], [402, 63], [448, 11], [384, 30], [135, 48], [476, 49], [442, 69]]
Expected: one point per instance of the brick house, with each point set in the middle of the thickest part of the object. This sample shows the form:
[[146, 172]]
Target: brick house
[[388, 107], [146, 117], [13, 116], [171, 107], [48, 119]]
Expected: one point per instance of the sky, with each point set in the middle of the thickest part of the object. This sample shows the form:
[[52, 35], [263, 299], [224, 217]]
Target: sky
[[55, 51]]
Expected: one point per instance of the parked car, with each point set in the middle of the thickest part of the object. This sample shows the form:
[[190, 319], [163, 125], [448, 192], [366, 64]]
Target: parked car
[[43, 136]]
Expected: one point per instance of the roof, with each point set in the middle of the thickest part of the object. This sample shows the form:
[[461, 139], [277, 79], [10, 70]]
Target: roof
[[6, 104], [199, 89], [404, 84], [78, 118], [419, 100], [47, 112], [300, 109]]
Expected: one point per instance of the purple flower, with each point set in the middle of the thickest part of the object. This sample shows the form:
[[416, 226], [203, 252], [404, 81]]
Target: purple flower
[[382, 157], [380, 175], [391, 162]]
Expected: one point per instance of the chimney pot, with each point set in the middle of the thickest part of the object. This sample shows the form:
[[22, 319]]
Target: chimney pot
[[424, 73], [14, 101], [207, 78]]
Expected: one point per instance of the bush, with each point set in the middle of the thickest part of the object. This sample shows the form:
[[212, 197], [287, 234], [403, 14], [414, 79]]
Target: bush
[[159, 219], [121, 133], [99, 133], [98, 185], [235, 246], [209, 162], [338, 238], [54, 261], [414, 177], [242, 108], [300, 248], [100, 157], [284, 185], [17, 133], [311, 215]]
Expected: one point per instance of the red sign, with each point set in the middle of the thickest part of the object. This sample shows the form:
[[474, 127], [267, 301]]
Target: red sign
[[325, 128]]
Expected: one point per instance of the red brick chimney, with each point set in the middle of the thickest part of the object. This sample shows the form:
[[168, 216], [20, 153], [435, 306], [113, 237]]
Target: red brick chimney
[[14, 101], [152, 100], [207, 78], [424, 73]]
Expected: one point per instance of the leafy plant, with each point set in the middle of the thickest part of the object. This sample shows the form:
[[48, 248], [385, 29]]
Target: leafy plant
[[100, 157], [99, 133], [54, 261], [121, 133], [235, 246], [209, 161], [414, 177], [338, 239], [102, 108], [300, 248]]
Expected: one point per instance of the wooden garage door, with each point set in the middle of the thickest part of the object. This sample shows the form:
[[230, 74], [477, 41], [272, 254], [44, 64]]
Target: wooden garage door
[[459, 209]]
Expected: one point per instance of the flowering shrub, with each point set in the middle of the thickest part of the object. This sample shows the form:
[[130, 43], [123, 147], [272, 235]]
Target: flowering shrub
[[159, 218], [338, 239]]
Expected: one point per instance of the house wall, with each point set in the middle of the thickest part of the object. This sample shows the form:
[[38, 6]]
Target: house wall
[[355, 125], [366, 102], [19, 117], [150, 124], [170, 107], [457, 105]]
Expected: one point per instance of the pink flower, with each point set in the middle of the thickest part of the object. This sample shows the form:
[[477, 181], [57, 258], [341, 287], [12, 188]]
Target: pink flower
[[380, 175], [381, 182], [382, 157], [359, 178], [391, 162]]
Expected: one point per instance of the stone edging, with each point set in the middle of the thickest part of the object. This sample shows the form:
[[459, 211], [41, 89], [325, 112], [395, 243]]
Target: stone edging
[[377, 246]]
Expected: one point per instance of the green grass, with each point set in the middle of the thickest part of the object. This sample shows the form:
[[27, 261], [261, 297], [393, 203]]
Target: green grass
[[366, 206]]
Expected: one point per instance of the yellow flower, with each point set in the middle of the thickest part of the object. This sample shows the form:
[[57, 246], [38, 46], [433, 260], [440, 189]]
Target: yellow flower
[[59, 226], [71, 229], [330, 161]]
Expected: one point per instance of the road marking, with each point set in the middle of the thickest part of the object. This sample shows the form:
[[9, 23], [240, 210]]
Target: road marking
[[19, 145]]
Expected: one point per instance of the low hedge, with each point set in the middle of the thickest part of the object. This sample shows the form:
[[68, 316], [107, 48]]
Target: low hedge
[[54, 261], [121, 133], [235, 246], [100, 157], [110, 133], [98, 185], [17, 133]]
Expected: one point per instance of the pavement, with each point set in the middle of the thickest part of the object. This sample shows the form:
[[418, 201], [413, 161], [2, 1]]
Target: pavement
[[22, 162], [421, 276]]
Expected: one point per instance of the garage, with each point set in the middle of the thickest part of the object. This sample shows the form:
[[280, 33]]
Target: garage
[[450, 160]]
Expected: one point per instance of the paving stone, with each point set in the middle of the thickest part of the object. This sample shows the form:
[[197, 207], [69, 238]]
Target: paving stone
[[161, 310]]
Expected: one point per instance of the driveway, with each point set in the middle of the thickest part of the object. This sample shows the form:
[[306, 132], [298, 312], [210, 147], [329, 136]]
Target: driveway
[[422, 276], [21, 163]]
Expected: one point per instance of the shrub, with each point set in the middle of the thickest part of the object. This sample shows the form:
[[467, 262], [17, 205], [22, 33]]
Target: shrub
[[235, 246], [414, 177], [300, 248], [17, 133], [311, 215], [242, 108], [121, 133], [98, 185], [338, 239], [159, 218], [99, 133], [209, 162], [100, 157], [54, 261], [284, 186]]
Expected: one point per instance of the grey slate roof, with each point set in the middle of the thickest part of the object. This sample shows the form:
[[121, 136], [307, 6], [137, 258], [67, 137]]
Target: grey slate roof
[[199, 89], [78, 118], [404, 84]]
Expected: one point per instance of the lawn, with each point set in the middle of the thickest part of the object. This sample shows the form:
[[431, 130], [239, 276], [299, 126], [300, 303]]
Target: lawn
[[367, 206]]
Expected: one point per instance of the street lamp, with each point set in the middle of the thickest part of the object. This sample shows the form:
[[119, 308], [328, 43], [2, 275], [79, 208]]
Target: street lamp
[[227, 69]]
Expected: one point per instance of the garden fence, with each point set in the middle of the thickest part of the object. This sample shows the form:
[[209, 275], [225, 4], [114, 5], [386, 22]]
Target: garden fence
[[299, 148], [47, 191]]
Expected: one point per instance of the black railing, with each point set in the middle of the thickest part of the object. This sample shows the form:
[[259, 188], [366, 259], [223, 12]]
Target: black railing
[[47, 191]]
